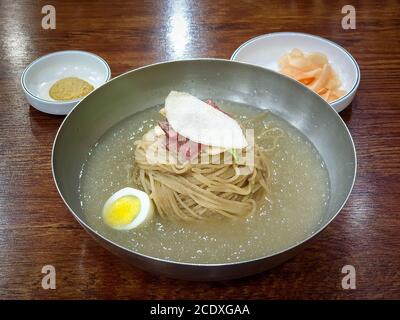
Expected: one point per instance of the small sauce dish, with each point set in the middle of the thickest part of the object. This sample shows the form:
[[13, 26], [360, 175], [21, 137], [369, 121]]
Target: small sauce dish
[[41, 74], [266, 50]]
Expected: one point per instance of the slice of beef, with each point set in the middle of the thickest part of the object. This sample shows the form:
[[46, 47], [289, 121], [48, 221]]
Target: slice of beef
[[182, 147]]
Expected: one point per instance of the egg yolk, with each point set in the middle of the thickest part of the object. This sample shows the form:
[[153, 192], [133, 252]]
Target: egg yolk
[[122, 211]]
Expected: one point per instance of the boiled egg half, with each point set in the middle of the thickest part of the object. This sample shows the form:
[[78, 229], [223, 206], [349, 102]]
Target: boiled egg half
[[128, 208]]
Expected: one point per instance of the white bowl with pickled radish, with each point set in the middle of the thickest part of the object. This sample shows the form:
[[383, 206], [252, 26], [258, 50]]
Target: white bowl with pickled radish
[[266, 51], [128, 208]]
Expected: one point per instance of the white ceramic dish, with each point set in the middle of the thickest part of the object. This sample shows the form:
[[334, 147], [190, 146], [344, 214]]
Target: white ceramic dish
[[42, 73], [266, 50]]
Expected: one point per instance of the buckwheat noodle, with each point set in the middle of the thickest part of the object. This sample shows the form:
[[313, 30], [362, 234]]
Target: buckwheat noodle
[[201, 191]]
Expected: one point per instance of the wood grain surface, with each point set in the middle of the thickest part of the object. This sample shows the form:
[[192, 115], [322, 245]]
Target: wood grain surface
[[36, 228]]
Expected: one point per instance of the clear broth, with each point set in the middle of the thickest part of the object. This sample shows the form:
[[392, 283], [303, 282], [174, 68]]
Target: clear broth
[[300, 193]]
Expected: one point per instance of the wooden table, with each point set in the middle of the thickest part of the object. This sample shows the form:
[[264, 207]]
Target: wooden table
[[36, 229]]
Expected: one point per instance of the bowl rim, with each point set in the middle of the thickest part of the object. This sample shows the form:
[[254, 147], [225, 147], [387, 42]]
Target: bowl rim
[[207, 265], [46, 56], [334, 103]]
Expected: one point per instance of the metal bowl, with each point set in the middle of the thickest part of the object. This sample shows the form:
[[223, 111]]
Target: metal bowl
[[145, 87]]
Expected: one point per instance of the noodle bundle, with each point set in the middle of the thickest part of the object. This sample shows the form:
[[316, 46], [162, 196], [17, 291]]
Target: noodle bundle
[[193, 176], [200, 191]]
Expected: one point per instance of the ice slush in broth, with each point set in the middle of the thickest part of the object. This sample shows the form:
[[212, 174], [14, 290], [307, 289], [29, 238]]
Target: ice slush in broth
[[275, 206]]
